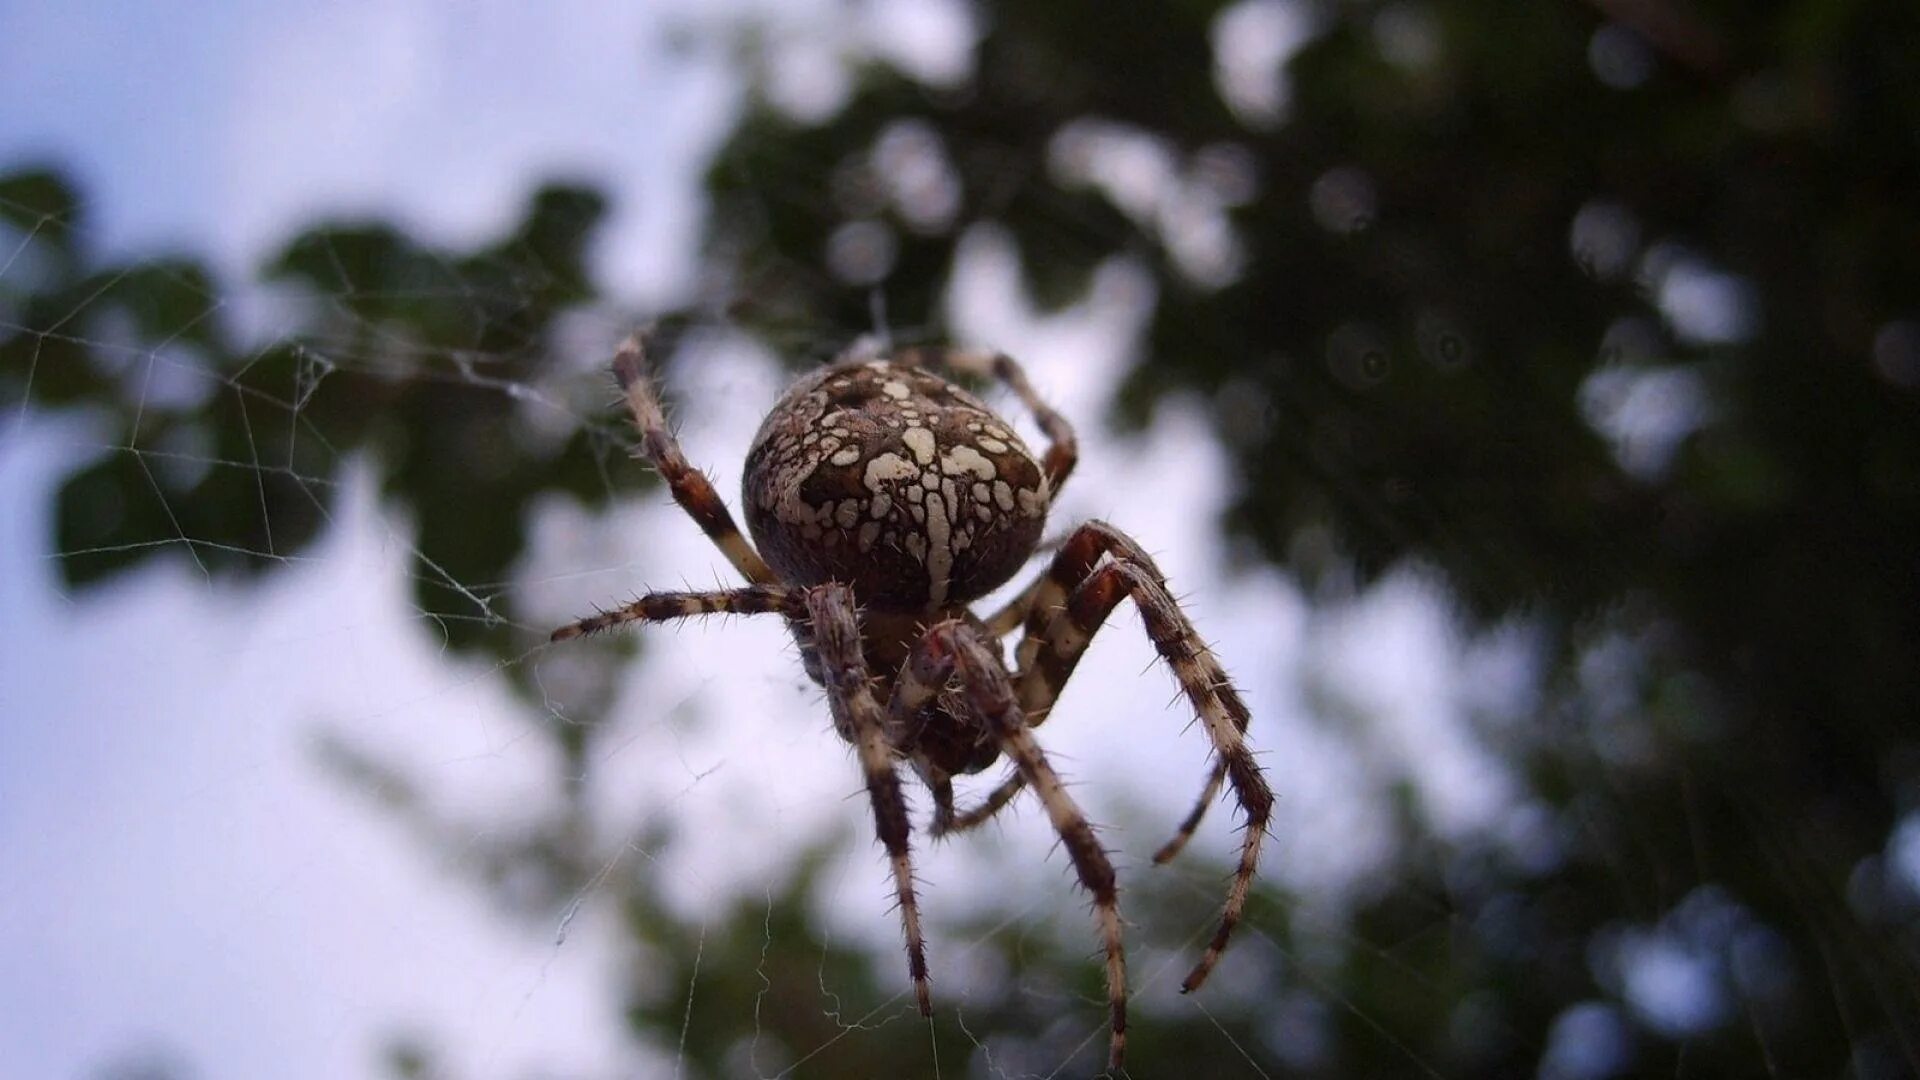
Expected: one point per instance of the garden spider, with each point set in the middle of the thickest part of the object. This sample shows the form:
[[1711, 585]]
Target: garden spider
[[886, 499]]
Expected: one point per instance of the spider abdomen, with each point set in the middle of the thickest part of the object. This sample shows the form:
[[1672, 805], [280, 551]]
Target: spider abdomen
[[895, 481]]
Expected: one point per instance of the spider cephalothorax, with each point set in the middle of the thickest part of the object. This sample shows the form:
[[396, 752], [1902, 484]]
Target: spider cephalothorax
[[883, 475], [886, 499]]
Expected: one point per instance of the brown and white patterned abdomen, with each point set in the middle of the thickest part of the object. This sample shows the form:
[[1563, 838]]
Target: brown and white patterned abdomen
[[895, 481]]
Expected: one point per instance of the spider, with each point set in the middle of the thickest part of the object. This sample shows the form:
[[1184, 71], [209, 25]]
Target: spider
[[884, 499]]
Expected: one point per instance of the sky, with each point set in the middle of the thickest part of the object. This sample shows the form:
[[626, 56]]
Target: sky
[[181, 880]]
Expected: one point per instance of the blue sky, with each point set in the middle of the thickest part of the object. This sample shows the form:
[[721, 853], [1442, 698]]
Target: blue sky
[[179, 878]]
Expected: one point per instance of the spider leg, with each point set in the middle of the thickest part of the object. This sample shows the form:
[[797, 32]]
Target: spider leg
[[1057, 636], [662, 606], [690, 487], [1035, 606], [989, 690], [1073, 563], [1063, 450], [836, 634], [1010, 617], [830, 614], [942, 788], [914, 688], [1191, 823], [996, 801]]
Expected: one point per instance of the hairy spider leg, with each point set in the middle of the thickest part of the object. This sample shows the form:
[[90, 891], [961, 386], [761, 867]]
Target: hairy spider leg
[[1037, 605], [831, 614], [1191, 823], [1044, 670], [836, 634], [1063, 450], [661, 606], [690, 487], [1072, 565], [942, 823], [946, 820], [1079, 594], [1220, 708], [1014, 612], [955, 648]]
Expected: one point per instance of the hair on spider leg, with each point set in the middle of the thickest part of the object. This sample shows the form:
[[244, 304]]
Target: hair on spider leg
[[1179, 695], [1191, 721]]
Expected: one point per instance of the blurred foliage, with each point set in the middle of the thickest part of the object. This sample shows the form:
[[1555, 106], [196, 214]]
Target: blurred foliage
[[399, 355], [1410, 289]]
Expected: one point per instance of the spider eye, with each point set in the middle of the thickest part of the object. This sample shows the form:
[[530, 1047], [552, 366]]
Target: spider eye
[[896, 482]]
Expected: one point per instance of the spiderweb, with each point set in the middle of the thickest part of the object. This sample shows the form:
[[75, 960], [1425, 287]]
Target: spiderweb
[[298, 789]]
